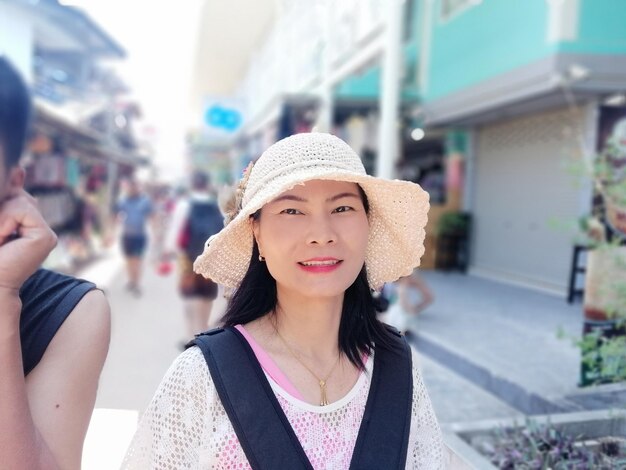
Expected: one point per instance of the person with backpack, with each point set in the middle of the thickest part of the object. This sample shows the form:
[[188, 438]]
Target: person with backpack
[[302, 375], [194, 220]]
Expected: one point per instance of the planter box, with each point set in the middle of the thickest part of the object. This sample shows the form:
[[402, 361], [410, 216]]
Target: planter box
[[592, 424]]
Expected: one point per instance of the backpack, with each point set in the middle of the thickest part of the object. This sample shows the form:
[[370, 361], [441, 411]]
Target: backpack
[[262, 428], [203, 220]]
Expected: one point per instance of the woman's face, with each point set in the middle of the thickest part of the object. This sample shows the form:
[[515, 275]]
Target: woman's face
[[314, 238]]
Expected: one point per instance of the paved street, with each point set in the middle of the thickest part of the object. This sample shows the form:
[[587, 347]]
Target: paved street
[[511, 331], [458, 400], [505, 339]]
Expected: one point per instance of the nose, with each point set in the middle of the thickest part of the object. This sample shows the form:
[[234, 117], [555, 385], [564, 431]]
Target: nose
[[321, 231]]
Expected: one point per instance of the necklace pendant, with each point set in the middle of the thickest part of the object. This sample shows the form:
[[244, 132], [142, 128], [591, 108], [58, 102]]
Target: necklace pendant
[[324, 399]]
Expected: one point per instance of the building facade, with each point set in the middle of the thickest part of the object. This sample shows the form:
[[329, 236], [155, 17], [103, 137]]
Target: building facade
[[526, 80], [82, 134], [488, 104]]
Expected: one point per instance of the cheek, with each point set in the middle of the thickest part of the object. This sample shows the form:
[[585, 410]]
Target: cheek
[[359, 235], [273, 237]]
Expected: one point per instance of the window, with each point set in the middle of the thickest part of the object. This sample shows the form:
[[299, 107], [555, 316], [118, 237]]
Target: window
[[449, 8], [409, 18]]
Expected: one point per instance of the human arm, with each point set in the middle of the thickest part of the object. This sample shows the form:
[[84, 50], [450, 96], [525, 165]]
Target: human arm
[[173, 430], [151, 212], [175, 226], [62, 388], [21, 444], [114, 221], [426, 447], [414, 282]]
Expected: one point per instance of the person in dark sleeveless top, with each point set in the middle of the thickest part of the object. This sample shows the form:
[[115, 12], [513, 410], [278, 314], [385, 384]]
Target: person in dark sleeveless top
[[54, 329]]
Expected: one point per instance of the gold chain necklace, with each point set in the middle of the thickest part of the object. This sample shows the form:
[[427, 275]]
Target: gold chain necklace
[[321, 382]]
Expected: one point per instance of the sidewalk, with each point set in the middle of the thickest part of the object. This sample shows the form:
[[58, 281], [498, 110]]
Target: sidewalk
[[457, 400], [504, 340]]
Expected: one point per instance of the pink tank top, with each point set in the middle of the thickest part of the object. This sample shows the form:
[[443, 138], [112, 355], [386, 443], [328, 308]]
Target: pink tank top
[[269, 366]]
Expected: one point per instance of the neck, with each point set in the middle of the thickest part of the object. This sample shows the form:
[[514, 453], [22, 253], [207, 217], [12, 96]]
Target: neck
[[313, 325]]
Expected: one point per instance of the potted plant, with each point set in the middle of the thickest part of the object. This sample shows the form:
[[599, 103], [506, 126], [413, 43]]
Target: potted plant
[[452, 250], [603, 344]]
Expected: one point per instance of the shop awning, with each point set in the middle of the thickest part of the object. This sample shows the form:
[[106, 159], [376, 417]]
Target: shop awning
[[79, 138]]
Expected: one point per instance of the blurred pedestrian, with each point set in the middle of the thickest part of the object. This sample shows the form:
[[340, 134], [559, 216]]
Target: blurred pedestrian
[[54, 329], [162, 215], [408, 297], [302, 358], [194, 220], [134, 212]]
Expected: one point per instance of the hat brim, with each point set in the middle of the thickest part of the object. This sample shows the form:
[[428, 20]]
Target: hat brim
[[398, 213]]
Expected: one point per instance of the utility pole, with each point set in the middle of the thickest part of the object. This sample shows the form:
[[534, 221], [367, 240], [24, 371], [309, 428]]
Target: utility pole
[[390, 91]]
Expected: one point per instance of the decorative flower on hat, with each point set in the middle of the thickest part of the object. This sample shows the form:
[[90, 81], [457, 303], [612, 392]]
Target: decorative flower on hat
[[239, 192]]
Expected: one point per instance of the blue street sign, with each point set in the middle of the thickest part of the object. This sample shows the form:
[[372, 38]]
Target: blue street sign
[[222, 117]]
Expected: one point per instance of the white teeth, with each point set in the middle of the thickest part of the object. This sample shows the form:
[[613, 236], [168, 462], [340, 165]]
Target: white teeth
[[319, 263]]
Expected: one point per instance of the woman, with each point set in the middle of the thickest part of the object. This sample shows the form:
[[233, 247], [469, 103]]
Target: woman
[[313, 235]]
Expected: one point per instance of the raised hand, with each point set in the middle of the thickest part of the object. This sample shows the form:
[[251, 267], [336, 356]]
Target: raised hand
[[25, 239]]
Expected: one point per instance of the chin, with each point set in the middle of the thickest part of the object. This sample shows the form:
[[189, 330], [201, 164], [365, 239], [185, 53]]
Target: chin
[[326, 288]]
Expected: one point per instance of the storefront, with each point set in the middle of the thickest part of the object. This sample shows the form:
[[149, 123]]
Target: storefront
[[524, 197], [75, 178]]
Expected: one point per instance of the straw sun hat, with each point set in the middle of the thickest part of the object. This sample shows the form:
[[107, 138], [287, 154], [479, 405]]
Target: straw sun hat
[[397, 209]]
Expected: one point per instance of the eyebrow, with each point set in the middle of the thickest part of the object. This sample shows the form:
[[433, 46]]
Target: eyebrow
[[292, 197]]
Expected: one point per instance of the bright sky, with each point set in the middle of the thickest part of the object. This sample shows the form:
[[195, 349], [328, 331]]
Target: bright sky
[[159, 37]]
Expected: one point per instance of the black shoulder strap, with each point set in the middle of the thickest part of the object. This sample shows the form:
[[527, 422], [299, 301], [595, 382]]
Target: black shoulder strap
[[263, 429], [254, 412], [383, 438]]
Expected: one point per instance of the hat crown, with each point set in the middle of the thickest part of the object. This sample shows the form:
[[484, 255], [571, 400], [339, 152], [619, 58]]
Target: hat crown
[[319, 153]]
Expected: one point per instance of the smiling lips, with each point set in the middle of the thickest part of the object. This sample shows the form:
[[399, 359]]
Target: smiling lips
[[320, 265]]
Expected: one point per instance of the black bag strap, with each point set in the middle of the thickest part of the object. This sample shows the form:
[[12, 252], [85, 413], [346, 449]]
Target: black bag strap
[[383, 437], [264, 431], [261, 426]]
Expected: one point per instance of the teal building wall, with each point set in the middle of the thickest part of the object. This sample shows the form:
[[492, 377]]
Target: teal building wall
[[483, 41], [498, 36], [601, 28]]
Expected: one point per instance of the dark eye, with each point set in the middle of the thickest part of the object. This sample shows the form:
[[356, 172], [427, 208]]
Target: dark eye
[[343, 209], [290, 211]]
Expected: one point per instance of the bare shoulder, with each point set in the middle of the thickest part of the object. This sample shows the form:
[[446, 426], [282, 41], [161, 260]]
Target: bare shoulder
[[92, 314], [87, 327], [82, 341]]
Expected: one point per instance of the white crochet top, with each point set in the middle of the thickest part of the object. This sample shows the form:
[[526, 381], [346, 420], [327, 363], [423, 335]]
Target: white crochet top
[[186, 427]]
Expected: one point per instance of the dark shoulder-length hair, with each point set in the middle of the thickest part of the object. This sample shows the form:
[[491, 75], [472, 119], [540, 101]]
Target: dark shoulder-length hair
[[359, 329], [15, 113]]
